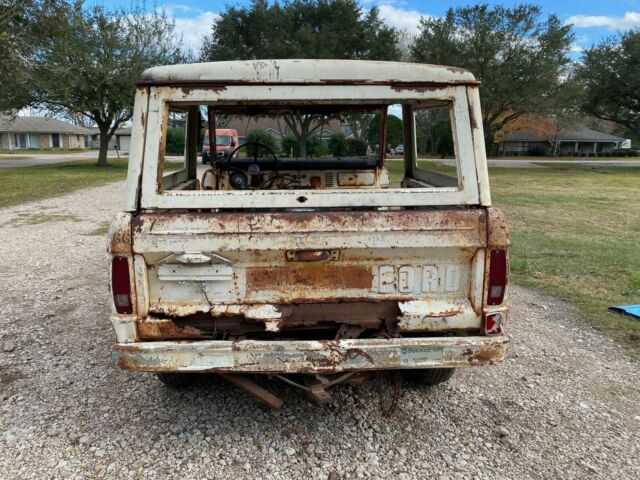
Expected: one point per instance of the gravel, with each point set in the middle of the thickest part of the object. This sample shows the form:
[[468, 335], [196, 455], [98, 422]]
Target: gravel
[[563, 405]]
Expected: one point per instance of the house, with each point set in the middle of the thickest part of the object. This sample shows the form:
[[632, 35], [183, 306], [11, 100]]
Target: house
[[279, 129], [39, 132], [571, 142], [121, 139]]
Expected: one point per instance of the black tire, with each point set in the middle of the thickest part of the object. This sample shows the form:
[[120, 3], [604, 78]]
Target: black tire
[[428, 376], [178, 380]]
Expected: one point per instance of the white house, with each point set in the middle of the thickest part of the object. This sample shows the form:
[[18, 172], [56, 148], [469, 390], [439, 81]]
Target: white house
[[17, 133]]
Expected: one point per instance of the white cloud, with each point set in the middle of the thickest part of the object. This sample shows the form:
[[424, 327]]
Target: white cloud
[[180, 7], [193, 29], [575, 48], [401, 18], [627, 21]]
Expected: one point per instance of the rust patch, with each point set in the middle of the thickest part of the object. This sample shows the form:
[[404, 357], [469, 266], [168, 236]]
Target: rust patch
[[120, 240], [418, 87], [210, 88], [452, 312], [459, 70], [166, 330], [497, 232], [309, 277], [472, 116], [487, 357]]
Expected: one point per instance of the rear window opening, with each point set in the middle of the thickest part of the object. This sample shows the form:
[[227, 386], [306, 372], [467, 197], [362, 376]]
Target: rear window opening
[[253, 148]]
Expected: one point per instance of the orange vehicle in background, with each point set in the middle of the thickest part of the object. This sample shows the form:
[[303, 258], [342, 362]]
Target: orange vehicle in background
[[226, 141]]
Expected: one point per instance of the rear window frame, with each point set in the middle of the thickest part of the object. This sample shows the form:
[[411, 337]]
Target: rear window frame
[[148, 152]]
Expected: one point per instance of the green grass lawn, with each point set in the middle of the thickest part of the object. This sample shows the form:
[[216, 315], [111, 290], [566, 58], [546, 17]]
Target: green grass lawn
[[18, 185], [575, 233], [24, 184]]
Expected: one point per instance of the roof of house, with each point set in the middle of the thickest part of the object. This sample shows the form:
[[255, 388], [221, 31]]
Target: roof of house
[[245, 125], [119, 131], [306, 71], [39, 125], [573, 135]]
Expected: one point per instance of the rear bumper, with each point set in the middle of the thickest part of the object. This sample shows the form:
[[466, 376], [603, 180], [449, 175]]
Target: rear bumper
[[316, 356]]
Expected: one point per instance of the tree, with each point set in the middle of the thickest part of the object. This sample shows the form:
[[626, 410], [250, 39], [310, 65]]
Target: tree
[[16, 17], [610, 75], [300, 29], [394, 131], [519, 57], [427, 120], [359, 124], [85, 60], [339, 29], [303, 126]]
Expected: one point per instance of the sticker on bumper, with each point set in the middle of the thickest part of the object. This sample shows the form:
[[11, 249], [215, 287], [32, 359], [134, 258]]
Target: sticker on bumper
[[415, 356]]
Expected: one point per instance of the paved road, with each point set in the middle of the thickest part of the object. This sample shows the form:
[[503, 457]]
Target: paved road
[[515, 163], [50, 159]]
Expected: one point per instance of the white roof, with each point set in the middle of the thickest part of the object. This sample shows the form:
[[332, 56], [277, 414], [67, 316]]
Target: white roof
[[306, 71]]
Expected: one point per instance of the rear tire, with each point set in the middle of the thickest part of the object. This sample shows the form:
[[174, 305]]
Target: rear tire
[[428, 376], [178, 380]]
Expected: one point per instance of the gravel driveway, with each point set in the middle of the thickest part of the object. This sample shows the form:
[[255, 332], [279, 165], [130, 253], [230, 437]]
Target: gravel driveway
[[564, 405]]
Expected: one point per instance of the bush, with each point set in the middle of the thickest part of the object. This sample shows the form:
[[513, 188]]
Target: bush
[[175, 141], [291, 146], [337, 145], [355, 147], [315, 146], [444, 138], [263, 138], [621, 152]]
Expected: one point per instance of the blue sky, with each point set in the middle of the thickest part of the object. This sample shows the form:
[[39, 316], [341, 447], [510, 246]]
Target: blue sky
[[593, 20]]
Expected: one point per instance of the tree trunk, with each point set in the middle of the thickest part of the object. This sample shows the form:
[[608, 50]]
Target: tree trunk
[[104, 145], [302, 142]]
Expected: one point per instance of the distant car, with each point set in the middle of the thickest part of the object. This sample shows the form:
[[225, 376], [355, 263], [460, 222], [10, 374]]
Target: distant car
[[226, 142], [400, 149]]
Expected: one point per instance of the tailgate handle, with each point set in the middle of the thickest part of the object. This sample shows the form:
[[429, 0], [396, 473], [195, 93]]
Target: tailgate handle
[[194, 258]]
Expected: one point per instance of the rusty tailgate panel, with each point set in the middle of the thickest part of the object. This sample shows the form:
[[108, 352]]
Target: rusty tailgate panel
[[362, 243]]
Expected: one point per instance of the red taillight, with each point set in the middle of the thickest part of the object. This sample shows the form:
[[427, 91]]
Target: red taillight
[[121, 285], [497, 277], [493, 323]]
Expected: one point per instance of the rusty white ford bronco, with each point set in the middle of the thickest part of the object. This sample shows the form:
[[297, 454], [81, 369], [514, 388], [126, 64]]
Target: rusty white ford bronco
[[305, 250]]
